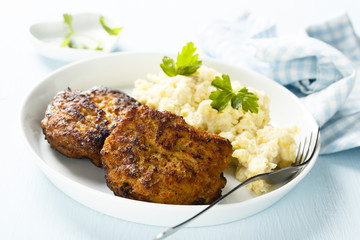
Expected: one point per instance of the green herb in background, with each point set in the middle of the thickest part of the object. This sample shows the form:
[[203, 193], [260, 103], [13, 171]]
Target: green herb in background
[[68, 21], [110, 31], [186, 64], [68, 43], [225, 94]]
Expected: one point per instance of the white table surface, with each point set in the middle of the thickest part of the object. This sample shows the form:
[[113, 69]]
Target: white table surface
[[325, 205]]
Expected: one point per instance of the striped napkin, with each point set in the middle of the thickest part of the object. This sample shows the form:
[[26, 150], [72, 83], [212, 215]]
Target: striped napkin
[[319, 67]]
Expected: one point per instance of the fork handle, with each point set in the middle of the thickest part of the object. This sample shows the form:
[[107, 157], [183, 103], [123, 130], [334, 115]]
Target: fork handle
[[174, 229]]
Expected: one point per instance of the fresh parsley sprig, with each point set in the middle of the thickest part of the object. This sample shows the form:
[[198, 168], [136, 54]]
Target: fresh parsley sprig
[[225, 94], [68, 43], [186, 64], [110, 31], [68, 22]]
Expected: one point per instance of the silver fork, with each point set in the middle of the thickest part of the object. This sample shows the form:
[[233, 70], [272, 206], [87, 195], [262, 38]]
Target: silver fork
[[305, 153]]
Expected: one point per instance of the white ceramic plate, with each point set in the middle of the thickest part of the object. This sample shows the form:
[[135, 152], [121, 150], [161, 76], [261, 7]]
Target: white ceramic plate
[[85, 183], [47, 37]]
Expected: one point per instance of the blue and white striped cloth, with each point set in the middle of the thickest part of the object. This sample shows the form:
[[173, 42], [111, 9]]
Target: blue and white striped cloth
[[319, 67]]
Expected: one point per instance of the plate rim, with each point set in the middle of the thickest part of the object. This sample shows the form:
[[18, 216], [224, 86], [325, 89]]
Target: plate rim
[[49, 170]]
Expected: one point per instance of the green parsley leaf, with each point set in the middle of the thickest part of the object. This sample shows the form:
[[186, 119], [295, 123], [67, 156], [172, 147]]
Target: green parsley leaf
[[168, 66], [110, 31], [225, 94], [222, 83], [99, 48], [68, 21], [69, 42], [245, 99], [186, 64], [220, 99]]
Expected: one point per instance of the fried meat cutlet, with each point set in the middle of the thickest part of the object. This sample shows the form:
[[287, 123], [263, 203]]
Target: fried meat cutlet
[[157, 157], [77, 123]]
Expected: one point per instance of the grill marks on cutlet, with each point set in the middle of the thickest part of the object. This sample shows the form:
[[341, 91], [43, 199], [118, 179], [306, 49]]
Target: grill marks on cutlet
[[77, 123], [155, 156]]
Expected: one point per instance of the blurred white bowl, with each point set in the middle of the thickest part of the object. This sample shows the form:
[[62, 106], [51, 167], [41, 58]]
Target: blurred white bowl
[[47, 37]]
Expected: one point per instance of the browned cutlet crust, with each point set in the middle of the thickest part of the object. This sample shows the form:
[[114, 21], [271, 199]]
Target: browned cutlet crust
[[77, 123], [157, 157], [114, 103]]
